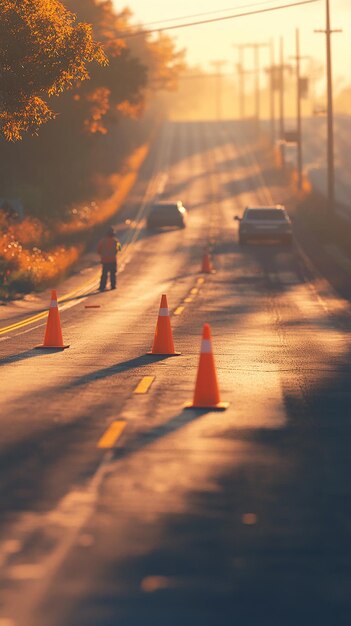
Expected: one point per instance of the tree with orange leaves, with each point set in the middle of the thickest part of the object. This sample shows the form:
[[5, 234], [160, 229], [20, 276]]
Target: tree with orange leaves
[[138, 66], [44, 51], [99, 122]]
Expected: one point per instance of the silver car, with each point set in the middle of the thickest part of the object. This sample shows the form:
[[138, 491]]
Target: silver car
[[265, 223]]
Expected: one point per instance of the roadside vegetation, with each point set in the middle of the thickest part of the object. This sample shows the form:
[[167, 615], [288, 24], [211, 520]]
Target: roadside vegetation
[[77, 112]]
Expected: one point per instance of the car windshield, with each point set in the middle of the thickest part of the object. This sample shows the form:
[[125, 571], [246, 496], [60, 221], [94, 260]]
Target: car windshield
[[265, 214]]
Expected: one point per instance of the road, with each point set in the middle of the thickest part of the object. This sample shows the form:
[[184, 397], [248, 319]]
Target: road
[[194, 517]]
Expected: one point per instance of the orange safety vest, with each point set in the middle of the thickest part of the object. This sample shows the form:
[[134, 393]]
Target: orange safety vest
[[108, 248]]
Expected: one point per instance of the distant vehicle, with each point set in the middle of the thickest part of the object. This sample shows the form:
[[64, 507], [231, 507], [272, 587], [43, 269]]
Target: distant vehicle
[[265, 223], [167, 214]]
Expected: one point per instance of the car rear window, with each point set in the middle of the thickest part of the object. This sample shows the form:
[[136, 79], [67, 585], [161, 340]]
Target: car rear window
[[165, 208], [265, 214]]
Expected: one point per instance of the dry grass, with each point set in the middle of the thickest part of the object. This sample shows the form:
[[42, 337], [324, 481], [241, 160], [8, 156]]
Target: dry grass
[[26, 266]]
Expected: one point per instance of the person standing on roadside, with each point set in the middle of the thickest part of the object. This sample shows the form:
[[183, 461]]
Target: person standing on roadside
[[108, 247]]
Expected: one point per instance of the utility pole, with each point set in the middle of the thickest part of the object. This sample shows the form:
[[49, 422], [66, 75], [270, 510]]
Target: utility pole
[[272, 92], [282, 67], [272, 71], [256, 47], [218, 67], [299, 128], [282, 92], [330, 114], [298, 58], [241, 71]]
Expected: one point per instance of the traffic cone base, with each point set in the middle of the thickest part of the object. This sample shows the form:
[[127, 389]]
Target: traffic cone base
[[42, 347], [164, 353], [53, 334], [220, 406], [163, 339]]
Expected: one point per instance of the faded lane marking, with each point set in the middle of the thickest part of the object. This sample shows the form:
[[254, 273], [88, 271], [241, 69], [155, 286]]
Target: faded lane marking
[[188, 300], [113, 433], [27, 571], [179, 310], [144, 385], [194, 291]]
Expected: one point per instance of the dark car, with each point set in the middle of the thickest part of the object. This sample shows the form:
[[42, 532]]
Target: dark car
[[167, 214], [265, 223]]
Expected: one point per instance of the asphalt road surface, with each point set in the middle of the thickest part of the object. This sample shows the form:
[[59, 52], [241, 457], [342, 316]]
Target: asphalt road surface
[[192, 517]]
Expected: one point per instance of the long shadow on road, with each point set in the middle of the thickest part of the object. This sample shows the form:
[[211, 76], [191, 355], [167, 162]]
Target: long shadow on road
[[27, 354], [26, 466], [147, 437], [124, 366], [289, 565]]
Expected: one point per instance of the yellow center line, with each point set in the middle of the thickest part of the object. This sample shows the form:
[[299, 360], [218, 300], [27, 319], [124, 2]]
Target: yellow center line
[[144, 385], [38, 316], [113, 433], [83, 290], [200, 280], [194, 291], [24, 322]]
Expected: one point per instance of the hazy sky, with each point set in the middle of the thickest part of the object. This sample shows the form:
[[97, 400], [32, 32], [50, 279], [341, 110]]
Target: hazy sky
[[215, 41]]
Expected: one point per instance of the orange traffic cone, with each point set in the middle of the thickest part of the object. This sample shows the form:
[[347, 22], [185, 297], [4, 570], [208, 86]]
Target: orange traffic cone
[[206, 395], [206, 267], [163, 340], [53, 333]]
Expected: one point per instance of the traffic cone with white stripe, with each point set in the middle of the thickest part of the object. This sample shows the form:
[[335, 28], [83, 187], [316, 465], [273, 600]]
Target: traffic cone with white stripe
[[206, 395], [53, 333], [163, 340]]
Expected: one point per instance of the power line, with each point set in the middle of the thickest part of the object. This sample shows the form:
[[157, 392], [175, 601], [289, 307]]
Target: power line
[[186, 17], [128, 34]]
